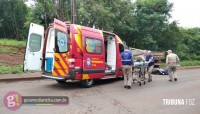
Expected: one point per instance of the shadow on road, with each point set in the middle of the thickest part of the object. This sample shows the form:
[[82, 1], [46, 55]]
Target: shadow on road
[[76, 84]]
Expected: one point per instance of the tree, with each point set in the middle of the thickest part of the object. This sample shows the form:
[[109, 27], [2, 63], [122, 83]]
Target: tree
[[109, 15], [94, 13], [171, 37], [189, 47], [13, 14], [47, 10], [151, 20]]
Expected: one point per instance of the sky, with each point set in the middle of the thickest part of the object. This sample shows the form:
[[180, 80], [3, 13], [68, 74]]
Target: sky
[[186, 12]]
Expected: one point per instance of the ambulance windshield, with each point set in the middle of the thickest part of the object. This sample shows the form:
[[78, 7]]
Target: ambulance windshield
[[61, 44]]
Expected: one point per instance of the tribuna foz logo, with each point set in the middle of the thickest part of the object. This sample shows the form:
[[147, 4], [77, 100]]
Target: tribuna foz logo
[[178, 101]]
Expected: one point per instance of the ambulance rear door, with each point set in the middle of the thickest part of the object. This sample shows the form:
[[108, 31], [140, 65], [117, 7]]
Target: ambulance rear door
[[34, 47]]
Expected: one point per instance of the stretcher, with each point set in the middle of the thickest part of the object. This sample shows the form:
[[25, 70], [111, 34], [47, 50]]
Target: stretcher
[[139, 72]]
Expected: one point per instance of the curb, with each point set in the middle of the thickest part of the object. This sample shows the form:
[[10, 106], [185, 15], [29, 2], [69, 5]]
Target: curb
[[21, 79]]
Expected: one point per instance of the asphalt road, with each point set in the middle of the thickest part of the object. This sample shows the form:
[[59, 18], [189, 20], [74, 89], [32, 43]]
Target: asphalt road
[[109, 96]]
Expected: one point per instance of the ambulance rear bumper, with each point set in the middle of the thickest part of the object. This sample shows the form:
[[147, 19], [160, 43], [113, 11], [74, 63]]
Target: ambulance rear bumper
[[54, 77]]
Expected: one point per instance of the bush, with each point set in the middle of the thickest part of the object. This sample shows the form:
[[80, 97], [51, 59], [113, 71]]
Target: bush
[[184, 63], [5, 69], [190, 63]]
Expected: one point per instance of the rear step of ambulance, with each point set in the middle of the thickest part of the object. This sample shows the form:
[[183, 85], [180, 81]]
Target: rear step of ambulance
[[49, 75]]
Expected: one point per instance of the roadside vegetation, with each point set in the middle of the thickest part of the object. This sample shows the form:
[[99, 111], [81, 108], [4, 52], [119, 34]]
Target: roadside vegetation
[[12, 42], [6, 69], [184, 63], [190, 63], [11, 56]]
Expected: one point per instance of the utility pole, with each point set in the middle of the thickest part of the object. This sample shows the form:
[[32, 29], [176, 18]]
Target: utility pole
[[73, 11]]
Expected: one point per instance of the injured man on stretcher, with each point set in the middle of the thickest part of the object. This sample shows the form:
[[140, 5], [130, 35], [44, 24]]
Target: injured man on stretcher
[[139, 68]]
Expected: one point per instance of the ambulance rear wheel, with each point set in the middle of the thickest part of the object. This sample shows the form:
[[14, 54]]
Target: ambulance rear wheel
[[61, 81], [87, 83], [120, 77]]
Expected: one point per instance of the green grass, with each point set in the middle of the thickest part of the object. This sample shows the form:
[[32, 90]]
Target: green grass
[[190, 63], [5, 69], [7, 49], [185, 63], [163, 65], [12, 42]]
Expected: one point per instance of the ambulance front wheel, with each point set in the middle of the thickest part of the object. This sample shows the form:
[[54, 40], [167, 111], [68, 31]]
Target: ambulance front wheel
[[61, 81], [87, 83]]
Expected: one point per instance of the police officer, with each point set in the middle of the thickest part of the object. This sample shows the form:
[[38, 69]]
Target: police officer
[[172, 60], [150, 60], [127, 62]]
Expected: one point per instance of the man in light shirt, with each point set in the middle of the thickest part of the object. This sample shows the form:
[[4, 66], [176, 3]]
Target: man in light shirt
[[172, 61]]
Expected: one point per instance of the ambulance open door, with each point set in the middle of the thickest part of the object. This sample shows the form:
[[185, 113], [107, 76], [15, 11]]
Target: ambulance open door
[[34, 47]]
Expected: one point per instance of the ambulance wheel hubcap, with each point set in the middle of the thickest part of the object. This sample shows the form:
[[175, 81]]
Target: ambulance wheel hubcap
[[89, 82]]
